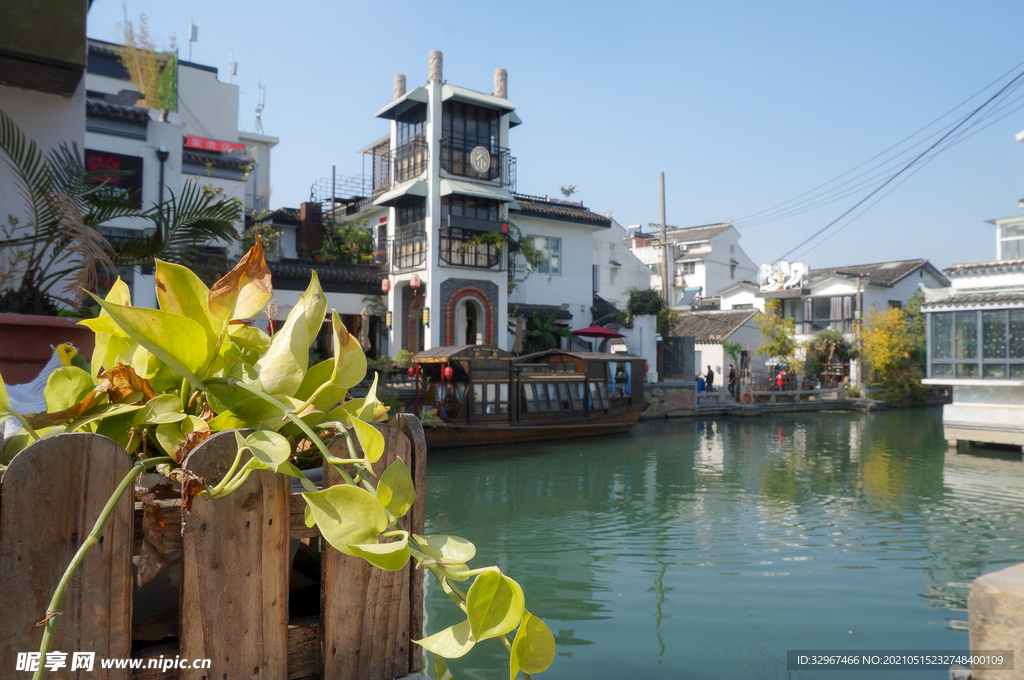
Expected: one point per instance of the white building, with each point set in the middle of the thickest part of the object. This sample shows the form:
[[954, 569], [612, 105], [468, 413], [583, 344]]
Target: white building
[[616, 268], [702, 260], [976, 342], [711, 329], [164, 149]]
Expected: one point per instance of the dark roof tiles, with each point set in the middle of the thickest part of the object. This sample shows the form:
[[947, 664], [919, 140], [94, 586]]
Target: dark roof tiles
[[986, 299], [992, 267], [710, 327], [879, 273]]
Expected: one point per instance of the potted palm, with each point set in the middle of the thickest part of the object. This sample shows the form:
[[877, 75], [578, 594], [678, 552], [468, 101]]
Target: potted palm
[[56, 253]]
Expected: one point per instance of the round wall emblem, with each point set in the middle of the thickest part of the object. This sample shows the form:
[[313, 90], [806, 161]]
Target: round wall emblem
[[480, 159]]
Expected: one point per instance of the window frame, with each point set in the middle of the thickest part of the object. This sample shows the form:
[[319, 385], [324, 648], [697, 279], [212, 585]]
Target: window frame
[[545, 266], [985, 364]]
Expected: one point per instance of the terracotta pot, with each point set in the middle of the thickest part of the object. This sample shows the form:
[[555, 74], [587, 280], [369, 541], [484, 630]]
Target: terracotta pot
[[27, 341]]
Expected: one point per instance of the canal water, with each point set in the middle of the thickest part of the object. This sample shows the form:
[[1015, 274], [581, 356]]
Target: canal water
[[707, 549]]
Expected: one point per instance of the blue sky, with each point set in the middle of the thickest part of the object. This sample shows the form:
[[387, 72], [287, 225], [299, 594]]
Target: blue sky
[[743, 105]]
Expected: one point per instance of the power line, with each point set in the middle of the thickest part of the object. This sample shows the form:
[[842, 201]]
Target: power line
[[764, 214], [904, 168]]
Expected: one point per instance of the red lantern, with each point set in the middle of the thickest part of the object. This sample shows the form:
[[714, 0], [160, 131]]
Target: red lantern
[[412, 371], [646, 368], [415, 281], [385, 285], [448, 371]]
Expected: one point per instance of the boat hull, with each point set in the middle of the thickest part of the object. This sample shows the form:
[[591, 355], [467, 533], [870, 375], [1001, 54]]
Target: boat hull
[[454, 435]]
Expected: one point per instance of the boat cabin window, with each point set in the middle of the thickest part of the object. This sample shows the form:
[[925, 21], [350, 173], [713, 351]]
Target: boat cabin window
[[598, 395], [490, 398]]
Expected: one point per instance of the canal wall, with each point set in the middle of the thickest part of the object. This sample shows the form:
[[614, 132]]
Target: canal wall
[[996, 614]]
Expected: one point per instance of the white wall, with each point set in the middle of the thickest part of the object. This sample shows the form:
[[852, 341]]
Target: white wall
[[640, 341], [574, 284], [741, 296], [632, 273], [718, 273], [208, 107]]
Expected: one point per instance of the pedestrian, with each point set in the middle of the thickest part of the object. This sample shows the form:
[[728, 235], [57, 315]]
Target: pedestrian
[[732, 380], [710, 380]]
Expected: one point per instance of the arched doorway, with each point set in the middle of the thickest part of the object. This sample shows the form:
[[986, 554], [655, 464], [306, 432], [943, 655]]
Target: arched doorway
[[415, 331], [469, 322]]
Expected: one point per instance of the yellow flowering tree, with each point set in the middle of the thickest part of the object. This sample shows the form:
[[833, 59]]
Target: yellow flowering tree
[[889, 347]]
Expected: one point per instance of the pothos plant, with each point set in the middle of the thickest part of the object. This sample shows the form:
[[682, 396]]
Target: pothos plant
[[522, 255], [162, 380]]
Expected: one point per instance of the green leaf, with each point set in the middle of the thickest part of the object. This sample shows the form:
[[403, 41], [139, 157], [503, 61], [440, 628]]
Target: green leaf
[[447, 548], [307, 515], [166, 408], [180, 291], [370, 439], [347, 515], [387, 556], [494, 604], [287, 468], [248, 413], [65, 387], [451, 643], [395, 489], [178, 341], [371, 405], [349, 360], [318, 377], [533, 649], [283, 367], [351, 407], [104, 412], [249, 339], [245, 290], [441, 671], [169, 436], [269, 448]]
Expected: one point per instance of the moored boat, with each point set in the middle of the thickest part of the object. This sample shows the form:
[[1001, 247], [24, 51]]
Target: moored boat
[[485, 395]]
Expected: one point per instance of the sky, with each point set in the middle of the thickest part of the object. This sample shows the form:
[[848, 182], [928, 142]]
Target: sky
[[743, 105]]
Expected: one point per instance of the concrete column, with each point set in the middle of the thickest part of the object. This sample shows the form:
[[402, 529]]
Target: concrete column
[[436, 67], [398, 87], [501, 83]]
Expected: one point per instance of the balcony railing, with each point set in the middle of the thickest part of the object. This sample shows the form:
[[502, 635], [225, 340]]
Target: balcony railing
[[409, 248], [818, 325], [456, 251], [461, 158], [394, 167]]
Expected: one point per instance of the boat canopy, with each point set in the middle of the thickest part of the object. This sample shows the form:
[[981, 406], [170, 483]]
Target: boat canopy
[[442, 355]]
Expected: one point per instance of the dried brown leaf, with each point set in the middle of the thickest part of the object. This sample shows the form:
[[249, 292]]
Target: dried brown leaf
[[152, 559], [191, 486], [121, 381], [244, 290], [192, 440]]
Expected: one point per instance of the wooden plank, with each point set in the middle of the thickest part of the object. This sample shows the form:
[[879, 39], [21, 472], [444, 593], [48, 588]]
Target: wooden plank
[[304, 661], [410, 425], [365, 612], [234, 591], [54, 491]]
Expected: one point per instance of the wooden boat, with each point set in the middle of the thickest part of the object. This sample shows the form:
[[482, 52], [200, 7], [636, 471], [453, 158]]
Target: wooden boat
[[485, 395]]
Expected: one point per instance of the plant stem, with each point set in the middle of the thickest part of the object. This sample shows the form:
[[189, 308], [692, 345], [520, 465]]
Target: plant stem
[[53, 610], [227, 476]]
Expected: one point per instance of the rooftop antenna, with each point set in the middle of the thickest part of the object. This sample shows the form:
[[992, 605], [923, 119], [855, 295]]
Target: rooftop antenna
[[193, 36], [261, 101], [232, 65]]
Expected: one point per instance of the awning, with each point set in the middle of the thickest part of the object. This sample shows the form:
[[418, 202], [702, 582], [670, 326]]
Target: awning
[[463, 95], [513, 119], [415, 187], [598, 332], [404, 103], [500, 194]]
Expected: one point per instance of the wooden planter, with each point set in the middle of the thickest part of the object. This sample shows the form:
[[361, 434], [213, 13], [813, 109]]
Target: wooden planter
[[235, 557], [27, 341]]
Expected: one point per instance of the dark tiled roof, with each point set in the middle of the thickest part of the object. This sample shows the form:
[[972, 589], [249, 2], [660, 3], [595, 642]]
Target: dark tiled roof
[[693, 234], [530, 205], [219, 160], [706, 327], [525, 311], [283, 216], [328, 272], [977, 300], [604, 312], [132, 114], [879, 274], [992, 267]]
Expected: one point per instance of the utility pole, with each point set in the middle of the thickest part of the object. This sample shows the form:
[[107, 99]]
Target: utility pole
[[664, 248], [860, 333]]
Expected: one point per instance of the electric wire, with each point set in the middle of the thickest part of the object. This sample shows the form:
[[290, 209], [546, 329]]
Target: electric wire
[[904, 168]]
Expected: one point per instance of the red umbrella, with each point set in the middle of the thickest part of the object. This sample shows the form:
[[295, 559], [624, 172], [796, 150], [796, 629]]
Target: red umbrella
[[598, 332]]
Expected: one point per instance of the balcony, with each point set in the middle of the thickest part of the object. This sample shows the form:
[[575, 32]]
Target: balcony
[[492, 164], [457, 251], [409, 248], [394, 167]]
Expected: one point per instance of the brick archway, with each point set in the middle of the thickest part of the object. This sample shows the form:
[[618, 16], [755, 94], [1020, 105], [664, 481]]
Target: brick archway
[[449, 318], [412, 322]]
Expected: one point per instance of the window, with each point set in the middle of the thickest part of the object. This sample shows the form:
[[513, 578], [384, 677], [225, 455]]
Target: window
[[688, 268], [895, 304], [954, 351], [551, 251], [828, 313], [491, 398], [611, 276], [732, 271], [474, 125], [1011, 242], [468, 206], [455, 249]]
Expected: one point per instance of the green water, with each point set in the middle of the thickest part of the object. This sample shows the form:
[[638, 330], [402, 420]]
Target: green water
[[709, 549]]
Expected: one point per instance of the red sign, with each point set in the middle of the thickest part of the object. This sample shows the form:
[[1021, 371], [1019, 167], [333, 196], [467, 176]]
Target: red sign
[[212, 144]]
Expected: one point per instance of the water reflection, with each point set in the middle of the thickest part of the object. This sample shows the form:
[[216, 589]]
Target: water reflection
[[707, 549]]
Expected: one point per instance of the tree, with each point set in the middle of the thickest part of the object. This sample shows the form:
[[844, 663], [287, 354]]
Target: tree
[[891, 345], [649, 301], [778, 331], [545, 333], [825, 349], [522, 255], [733, 349], [348, 242], [152, 72]]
